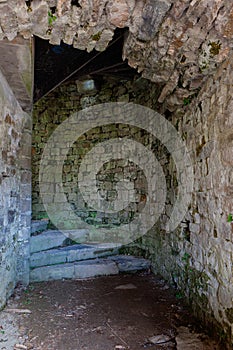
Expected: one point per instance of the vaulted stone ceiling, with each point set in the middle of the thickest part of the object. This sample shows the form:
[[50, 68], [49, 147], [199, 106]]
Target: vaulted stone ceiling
[[173, 42]]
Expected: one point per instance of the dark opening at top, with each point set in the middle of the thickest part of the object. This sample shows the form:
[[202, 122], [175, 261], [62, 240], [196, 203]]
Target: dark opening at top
[[55, 64]]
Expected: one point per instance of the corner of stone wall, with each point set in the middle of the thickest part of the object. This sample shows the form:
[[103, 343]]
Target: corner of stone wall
[[15, 192], [25, 202]]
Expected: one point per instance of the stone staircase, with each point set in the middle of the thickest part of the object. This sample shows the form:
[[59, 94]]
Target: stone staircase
[[54, 256]]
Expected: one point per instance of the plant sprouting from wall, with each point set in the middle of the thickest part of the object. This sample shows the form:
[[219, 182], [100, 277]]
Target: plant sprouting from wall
[[51, 18]]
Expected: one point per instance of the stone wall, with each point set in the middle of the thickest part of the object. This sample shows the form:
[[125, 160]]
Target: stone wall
[[61, 104], [197, 257], [178, 44], [15, 192]]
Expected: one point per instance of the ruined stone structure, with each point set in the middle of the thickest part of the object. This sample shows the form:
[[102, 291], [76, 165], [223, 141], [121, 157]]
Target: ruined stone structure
[[183, 47]]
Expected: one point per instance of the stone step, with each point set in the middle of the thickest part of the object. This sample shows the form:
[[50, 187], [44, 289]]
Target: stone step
[[53, 238], [72, 253], [76, 270], [39, 225], [89, 268]]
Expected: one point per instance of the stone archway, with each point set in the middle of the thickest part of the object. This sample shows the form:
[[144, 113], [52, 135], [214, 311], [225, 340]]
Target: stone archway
[[186, 47], [173, 43]]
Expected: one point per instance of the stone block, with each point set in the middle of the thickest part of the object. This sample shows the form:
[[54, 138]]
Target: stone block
[[48, 273], [128, 263], [94, 268], [70, 254], [48, 257], [39, 225], [47, 240], [79, 270]]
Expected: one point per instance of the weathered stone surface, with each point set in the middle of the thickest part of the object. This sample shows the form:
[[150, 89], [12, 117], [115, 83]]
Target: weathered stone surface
[[71, 253], [198, 257], [16, 63], [48, 257], [48, 273], [14, 195], [89, 268], [47, 240], [94, 268], [79, 270], [188, 43], [54, 109], [39, 225], [118, 13], [151, 18], [187, 38], [53, 238], [127, 263], [186, 47], [160, 339]]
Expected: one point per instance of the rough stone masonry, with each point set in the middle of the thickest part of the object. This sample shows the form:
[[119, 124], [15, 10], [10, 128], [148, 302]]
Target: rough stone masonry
[[176, 43], [186, 46], [15, 191]]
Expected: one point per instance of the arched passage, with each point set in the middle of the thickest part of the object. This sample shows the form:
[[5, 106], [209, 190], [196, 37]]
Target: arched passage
[[188, 52]]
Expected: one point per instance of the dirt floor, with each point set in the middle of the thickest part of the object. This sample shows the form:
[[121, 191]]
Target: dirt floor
[[108, 313]]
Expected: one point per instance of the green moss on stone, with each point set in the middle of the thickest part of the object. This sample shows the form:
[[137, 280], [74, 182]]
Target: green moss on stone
[[214, 47], [96, 37]]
